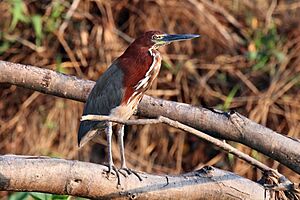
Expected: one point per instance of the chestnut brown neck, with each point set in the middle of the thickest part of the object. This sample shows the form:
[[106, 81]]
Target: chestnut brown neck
[[135, 62]]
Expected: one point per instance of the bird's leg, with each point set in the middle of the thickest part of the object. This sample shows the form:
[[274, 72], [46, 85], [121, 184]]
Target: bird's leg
[[121, 146], [122, 152], [111, 165], [109, 138]]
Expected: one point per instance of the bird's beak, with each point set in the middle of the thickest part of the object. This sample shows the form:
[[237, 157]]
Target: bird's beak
[[164, 39], [177, 37]]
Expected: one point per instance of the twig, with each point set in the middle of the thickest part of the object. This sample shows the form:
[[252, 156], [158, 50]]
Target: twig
[[279, 184], [120, 121], [269, 14], [68, 16], [176, 124], [60, 35]]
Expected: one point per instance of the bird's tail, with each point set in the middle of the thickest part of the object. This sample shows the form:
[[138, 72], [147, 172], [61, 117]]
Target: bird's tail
[[86, 132]]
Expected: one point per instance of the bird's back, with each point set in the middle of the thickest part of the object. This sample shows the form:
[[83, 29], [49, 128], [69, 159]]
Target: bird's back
[[106, 95]]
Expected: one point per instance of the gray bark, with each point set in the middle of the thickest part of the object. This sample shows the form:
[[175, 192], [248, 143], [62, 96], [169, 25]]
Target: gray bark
[[230, 126], [26, 173]]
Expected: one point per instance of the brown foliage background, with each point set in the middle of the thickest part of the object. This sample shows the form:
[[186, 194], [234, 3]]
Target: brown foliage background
[[247, 60]]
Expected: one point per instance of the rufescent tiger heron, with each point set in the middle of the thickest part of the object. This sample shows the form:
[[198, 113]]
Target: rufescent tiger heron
[[121, 87]]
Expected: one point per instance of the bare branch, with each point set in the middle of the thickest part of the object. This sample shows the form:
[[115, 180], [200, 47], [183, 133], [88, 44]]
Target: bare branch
[[223, 145], [90, 180], [121, 121], [229, 126]]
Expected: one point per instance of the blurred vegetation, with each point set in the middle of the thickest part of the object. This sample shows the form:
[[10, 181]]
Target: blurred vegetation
[[40, 196], [247, 60]]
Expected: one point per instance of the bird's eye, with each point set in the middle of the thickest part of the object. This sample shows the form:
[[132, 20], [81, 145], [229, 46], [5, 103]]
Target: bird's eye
[[156, 37]]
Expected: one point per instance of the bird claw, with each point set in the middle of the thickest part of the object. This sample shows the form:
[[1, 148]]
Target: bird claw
[[112, 170], [129, 172], [125, 174]]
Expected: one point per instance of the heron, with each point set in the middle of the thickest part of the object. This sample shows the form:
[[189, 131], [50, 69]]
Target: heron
[[121, 87]]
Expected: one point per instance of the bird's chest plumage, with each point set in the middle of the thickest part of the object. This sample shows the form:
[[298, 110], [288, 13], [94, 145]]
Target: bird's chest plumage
[[148, 77], [137, 79]]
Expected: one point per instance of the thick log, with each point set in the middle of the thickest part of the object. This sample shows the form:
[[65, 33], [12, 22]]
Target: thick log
[[230, 126], [42, 174]]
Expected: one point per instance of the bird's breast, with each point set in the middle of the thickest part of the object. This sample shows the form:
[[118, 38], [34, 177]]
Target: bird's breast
[[140, 71], [147, 79], [125, 111], [138, 76]]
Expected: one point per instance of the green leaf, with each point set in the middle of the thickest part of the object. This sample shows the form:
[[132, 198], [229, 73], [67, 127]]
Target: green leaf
[[219, 107], [4, 46], [231, 159], [252, 55], [267, 44], [63, 197], [37, 26], [18, 196], [59, 67], [166, 65], [57, 10], [279, 55], [17, 12], [46, 196], [40, 196], [230, 97], [261, 63], [52, 23], [222, 77]]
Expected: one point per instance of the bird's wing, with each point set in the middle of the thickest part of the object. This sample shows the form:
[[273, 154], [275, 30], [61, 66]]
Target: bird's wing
[[105, 95]]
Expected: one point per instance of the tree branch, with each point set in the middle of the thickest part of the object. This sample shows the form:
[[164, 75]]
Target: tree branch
[[230, 126], [226, 147], [29, 173]]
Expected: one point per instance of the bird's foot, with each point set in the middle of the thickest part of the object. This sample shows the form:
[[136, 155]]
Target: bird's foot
[[112, 170], [126, 172]]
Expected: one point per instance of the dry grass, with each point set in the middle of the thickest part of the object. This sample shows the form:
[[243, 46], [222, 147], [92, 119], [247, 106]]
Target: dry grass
[[247, 59]]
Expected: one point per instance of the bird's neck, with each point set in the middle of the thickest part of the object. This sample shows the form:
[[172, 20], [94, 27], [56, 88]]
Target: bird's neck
[[140, 67], [135, 62]]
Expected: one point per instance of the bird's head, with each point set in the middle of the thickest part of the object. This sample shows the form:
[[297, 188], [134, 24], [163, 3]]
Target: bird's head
[[156, 39]]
